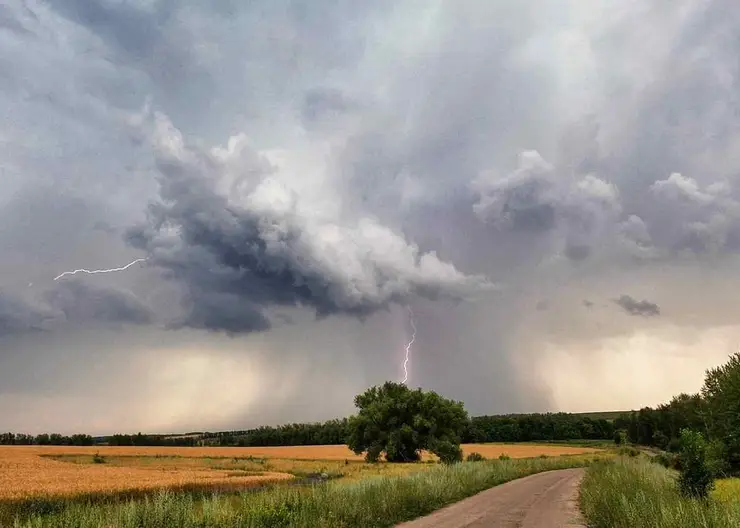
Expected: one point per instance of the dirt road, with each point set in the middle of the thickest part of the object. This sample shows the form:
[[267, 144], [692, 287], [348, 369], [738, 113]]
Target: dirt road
[[545, 500]]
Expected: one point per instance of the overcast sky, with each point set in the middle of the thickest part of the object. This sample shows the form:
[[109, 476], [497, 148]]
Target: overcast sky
[[551, 186]]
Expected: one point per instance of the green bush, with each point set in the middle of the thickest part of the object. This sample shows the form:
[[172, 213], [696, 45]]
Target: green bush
[[475, 457], [504, 456], [98, 459], [448, 452], [717, 459], [696, 479]]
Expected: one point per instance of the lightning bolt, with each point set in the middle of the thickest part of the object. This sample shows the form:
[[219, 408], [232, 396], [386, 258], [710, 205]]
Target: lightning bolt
[[94, 272], [409, 345]]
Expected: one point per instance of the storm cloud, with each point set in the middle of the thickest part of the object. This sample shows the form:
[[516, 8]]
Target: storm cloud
[[241, 241], [295, 174]]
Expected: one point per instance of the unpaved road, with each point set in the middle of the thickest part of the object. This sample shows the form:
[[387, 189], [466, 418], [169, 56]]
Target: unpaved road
[[544, 500]]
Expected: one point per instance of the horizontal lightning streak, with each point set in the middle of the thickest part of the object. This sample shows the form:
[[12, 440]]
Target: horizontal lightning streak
[[94, 272]]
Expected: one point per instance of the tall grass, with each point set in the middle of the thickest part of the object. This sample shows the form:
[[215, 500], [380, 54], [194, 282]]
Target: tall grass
[[374, 502], [635, 493]]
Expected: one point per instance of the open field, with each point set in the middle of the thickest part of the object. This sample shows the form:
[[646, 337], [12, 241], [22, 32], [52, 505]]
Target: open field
[[27, 471], [381, 501]]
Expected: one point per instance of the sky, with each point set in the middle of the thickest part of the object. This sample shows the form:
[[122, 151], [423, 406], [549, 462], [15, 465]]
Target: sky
[[550, 186]]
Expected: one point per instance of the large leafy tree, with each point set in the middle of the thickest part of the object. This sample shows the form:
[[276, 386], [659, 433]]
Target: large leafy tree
[[401, 422]]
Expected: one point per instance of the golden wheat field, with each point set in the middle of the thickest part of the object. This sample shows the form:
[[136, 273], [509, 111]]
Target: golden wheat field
[[29, 471], [24, 473]]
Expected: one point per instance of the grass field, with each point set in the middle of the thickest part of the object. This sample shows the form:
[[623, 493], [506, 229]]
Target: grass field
[[50, 478], [635, 493]]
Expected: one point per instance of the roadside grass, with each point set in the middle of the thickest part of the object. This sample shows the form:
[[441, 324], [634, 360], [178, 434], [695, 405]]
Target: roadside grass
[[636, 493], [379, 501]]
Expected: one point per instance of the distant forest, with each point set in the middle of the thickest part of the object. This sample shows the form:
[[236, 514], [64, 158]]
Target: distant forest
[[507, 428]]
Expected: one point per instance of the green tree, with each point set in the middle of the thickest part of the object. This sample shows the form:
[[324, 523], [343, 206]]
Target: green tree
[[401, 422], [721, 393], [696, 479]]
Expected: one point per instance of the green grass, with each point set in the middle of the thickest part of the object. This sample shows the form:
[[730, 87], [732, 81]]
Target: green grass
[[374, 502], [635, 493]]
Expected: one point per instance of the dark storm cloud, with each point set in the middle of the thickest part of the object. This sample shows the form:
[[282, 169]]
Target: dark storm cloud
[[238, 258], [80, 302], [18, 317], [634, 307]]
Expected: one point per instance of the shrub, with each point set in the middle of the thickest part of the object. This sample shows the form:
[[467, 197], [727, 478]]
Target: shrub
[[660, 440], [475, 457], [448, 452], [696, 478], [629, 451], [504, 456], [674, 445], [98, 459], [668, 460]]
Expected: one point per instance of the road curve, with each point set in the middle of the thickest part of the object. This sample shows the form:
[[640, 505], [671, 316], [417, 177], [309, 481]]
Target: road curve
[[544, 500]]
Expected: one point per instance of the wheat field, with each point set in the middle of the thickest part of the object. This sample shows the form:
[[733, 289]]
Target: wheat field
[[24, 473], [32, 471]]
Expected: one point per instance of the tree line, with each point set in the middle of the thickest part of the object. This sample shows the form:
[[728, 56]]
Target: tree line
[[713, 413], [479, 429], [46, 439]]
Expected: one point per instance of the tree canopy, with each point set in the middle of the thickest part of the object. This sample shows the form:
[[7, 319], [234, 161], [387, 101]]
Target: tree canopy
[[401, 422]]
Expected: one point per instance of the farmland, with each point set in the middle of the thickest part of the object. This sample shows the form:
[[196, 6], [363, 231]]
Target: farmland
[[115, 486], [29, 471]]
